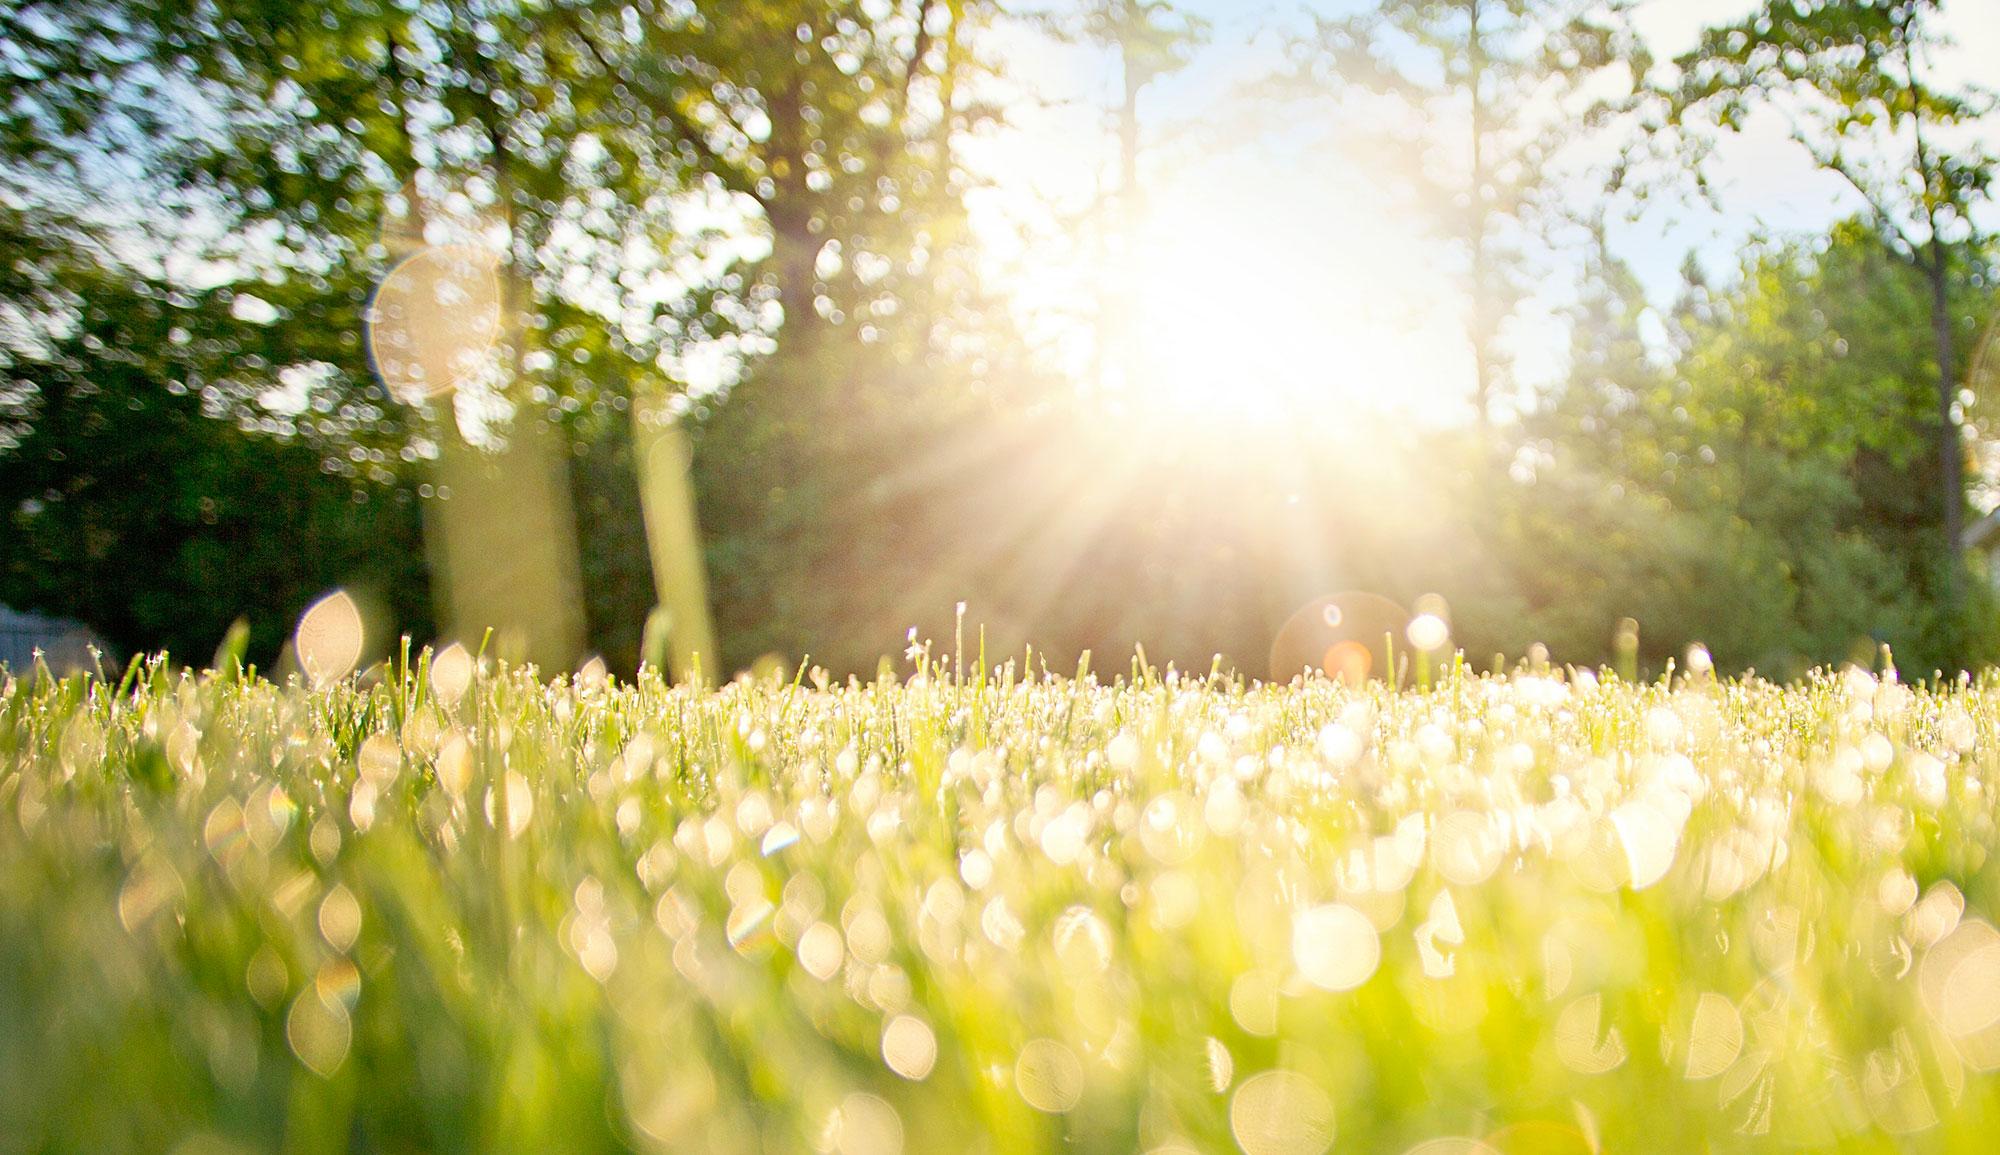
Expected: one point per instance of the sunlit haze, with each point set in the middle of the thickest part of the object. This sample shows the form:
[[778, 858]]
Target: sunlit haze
[[1278, 265], [1000, 577]]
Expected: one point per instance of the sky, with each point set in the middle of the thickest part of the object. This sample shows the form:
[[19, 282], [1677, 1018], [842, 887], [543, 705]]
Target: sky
[[1287, 263]]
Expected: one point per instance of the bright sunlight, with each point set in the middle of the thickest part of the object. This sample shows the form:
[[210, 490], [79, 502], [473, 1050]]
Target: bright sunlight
[[1000, 577], [1271, 300]]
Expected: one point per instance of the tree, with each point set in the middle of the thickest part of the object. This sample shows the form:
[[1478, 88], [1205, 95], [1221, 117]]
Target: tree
[[1855, 80], [612, 164], [164, 467], [1787, 434], [126, 503], [1480, 98], [829, 128], [1150, 39]]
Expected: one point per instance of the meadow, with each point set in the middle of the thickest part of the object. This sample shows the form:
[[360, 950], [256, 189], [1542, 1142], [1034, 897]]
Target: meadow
[[975, 906]]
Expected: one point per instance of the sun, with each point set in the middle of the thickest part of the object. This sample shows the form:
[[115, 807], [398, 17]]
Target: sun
[[1255, 271], [1260, 303]]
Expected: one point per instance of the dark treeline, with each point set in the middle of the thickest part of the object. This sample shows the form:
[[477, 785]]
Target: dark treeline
[[198, 201]]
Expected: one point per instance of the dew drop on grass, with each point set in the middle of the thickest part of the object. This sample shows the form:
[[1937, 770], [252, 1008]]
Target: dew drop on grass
[[1221, 1066], [266, 976], [746, 918], [451, 674], [1465, 847], [1959, 979], [454, 765], [319, 1033], [1049, 1076], [520, 804], [1715, 1038], [1438, 936], [338, 984], [1897, 892], [1650, 838], [1168, 829], [821, 950], [865, 1124], [1581, 1043], [1664, 727], [380, 759], [361, 805], [976, 868], [1253, 1003], [1281, 1112], [148, 889], [223, 831], [1082, 943], [780, 836], [340, 918], [82, 747], [329, 639], [1335, 946], [1936, 913], [1892, 1085], [909, 1047], [868, 933]]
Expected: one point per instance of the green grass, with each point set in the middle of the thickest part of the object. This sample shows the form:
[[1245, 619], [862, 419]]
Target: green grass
[[988, 913]]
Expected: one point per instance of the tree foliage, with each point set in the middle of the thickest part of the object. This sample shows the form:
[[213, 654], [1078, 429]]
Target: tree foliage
[[751, 219], [1856, 81], [1791, 434]]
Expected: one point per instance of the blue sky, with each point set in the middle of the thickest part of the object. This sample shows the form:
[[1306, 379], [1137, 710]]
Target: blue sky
[[1766, 184]]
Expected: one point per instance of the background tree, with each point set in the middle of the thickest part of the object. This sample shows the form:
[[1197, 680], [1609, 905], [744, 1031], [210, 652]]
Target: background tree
[[1477, 99], [168, 459], [1788, 435], [1855, 79], [1149, 39], [134, 507], [619, 160]]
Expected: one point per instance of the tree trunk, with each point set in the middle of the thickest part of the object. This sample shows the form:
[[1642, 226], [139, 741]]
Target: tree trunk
[[1482, 319], [795, 260], [1123, 336], [794, 246], [501, 540], [682, 628], [502, 526], [1950, 454]]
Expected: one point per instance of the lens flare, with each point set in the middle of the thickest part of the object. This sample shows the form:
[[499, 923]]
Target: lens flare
[[434, 321], [1348, 661], [1345, 636]]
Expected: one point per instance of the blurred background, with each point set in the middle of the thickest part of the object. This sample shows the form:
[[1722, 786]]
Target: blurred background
[[712, 334]]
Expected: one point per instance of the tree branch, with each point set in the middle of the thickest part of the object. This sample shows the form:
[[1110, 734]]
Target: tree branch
[[913, 67], [1834, 161], [715, 163]]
